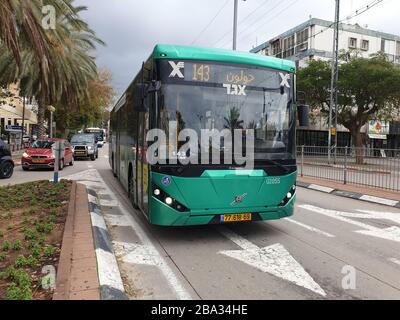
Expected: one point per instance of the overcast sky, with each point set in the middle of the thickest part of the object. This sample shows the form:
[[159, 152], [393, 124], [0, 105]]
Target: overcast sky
[[131, 28]]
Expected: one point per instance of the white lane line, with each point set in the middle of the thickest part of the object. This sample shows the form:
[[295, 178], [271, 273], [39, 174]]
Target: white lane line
[[379, 200], [147, 246], [394, 260], [106, 157], [320, 188], [312, 229], [392, 233], [393, 216], [274, 259], [89, 166]]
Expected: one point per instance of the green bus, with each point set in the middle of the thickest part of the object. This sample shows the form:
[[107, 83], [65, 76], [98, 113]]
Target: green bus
[[208, 89]]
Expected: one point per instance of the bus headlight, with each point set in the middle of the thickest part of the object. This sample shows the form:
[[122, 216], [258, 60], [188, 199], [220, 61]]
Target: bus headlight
[[289, 196], [164, 197]]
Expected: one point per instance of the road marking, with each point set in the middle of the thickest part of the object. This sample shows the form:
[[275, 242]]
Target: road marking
[[275, 260], [393, 216], [93, 178], [392, 233], [394, 260], [379, 200], [312, 229], [320, 188], [89, 166], [106, 157]]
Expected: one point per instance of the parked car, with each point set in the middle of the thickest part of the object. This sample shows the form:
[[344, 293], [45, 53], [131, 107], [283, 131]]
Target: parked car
[[41, 154], [6, 162], [85, 146]]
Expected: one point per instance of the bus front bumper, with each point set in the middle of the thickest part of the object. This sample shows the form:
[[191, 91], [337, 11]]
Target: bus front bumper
[[163, 215]]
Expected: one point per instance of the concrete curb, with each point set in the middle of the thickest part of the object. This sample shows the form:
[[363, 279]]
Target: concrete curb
[[351, 195], [77, 277], [111, 285]]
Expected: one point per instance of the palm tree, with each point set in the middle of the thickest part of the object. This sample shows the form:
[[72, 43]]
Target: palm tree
[[59, 69], [232, 121]]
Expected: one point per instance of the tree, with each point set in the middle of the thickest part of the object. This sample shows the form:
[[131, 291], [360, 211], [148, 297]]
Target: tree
[[52, 65], [91, 109], [367, 89]]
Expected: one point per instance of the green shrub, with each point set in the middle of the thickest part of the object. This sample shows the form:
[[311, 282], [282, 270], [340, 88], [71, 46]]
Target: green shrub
[[6, 246], [17, 245]]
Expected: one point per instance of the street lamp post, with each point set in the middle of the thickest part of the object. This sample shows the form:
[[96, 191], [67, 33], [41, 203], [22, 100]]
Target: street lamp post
[[235, 18]]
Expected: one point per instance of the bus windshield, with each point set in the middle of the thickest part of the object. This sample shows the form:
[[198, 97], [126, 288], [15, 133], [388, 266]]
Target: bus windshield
[[260, 106], [99, 133]]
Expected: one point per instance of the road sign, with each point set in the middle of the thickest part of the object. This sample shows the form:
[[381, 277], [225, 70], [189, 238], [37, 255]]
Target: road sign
[[11, 128]]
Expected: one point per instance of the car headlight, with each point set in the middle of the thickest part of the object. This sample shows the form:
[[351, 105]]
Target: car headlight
[[25, 155], [90, 148]]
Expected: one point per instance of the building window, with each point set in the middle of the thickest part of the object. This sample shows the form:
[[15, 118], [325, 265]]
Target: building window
[[302, 41], [288, 46], [352, 43], [365, 45], [383, 45], [276, 48]]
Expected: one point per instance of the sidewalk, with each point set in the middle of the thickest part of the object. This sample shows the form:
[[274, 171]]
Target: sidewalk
[[375, 195]]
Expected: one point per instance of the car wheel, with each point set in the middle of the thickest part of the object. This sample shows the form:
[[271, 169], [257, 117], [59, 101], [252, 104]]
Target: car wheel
[[72, 162], [25, 168], [6, 170], [93, 157], [97, 155], [61, 165]]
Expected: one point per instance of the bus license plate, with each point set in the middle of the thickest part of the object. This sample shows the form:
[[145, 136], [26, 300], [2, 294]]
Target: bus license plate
[[236, 217]]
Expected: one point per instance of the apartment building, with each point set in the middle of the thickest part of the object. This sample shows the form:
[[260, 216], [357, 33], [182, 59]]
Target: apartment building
[[313, 39]]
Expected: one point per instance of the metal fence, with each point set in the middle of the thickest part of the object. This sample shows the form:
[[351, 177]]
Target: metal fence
[[378, 168]]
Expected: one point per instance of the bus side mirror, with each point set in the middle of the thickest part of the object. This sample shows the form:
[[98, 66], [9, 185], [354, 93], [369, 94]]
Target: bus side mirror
[[154, 86], [303, 115], [139, 101]]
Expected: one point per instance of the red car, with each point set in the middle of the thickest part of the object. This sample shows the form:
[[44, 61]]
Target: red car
[[41, 155]]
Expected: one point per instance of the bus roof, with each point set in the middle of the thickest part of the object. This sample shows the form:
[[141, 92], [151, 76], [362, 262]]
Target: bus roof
[[163, 51]]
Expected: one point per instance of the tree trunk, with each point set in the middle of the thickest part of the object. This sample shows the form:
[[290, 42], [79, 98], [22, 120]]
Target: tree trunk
[[41, 119], [358, 144]]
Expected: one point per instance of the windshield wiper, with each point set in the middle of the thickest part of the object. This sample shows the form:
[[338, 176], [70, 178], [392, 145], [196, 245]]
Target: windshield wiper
[[275, 163]]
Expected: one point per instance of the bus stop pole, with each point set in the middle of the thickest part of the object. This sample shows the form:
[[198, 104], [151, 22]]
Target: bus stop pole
[[57, 150]]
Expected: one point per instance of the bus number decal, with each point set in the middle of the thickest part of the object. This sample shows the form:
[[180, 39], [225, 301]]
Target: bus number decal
[[201, 72]]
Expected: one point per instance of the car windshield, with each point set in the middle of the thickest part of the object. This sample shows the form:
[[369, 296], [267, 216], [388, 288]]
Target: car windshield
[[42, 144], [84, 138]]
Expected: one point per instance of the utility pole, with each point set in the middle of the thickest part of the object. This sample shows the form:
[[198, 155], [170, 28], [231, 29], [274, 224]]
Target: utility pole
[[235, 18], [23, 121], [332, 136]]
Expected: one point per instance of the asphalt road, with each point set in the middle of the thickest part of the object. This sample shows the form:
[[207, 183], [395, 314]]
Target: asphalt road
[[332, 248]]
